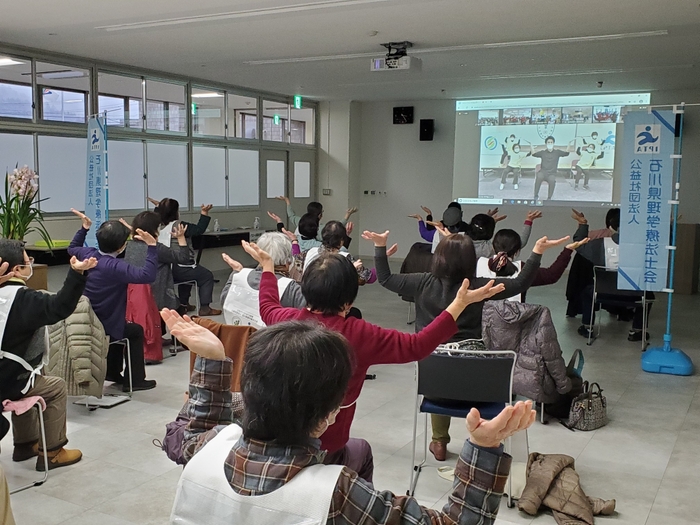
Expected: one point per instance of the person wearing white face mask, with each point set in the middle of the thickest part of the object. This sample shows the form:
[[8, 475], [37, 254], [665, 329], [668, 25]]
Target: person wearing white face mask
[[24, 314], [548, 168], [515, 161], [588, 156]]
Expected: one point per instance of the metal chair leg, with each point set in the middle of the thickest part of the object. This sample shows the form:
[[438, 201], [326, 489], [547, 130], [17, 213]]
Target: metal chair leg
[[591, 326], [128, 363], [413, 455], [41, 481]]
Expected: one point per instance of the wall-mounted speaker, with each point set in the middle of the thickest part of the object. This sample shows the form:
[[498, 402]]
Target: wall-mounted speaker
[[427, 129]]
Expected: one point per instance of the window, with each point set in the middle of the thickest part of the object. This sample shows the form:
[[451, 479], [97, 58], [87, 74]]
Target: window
[[244, 177], [15, 87], [303, 126], [275, 120], [167, 171], [302, 180], [63, 92], [208, 112], [62, 172], [165, 107], [242, 117], [209, 175], [120, 97], [15, 151], [126, 183], [276, 178]]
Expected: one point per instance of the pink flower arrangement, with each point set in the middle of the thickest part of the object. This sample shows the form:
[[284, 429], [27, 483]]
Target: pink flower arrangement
[[19, 207], [24, 182]]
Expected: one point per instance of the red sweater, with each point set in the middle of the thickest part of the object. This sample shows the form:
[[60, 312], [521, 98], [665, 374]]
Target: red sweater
[[371, 344]]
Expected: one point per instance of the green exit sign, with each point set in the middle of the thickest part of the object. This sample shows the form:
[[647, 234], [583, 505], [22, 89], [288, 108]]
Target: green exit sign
[[277, 120], [297, 101], [194, 108]]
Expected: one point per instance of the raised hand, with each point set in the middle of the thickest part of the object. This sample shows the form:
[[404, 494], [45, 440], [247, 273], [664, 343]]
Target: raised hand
[[440, 228], [578, 216], [416, 216], [391, 251], [206, 208], [290, 235], [576, 245], [468, 296], [199, 340], [379, 239], [235, 265], [426, 210], [145, 237], [257, 253], [87, 222], [533, 214], [348, 228], [153, 201], [274, 217], [490, 433], [283, 198], [492, 213], [499, 218], [4, 274], [122, 221], [357, 264], [179, 231], [544, 244], [350, 212], [82, 266]]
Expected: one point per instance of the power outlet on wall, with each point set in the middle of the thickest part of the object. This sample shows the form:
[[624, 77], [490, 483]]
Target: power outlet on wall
[[326, 191]]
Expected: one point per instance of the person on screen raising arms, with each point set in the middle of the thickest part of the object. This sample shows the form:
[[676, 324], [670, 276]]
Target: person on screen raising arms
[[507, 147], [549, 166], [514, 164], [588, 156]]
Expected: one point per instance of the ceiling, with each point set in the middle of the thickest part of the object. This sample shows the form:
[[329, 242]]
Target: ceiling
[[224, 37]]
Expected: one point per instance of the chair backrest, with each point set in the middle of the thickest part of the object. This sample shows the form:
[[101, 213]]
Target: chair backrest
[[483, 377], [605, 282]]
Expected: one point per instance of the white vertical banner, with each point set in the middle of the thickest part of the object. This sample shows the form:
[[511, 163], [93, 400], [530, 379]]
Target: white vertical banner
[[96, 184]]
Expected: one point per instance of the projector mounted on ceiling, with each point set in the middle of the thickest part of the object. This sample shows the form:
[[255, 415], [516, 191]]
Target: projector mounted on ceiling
[[396, 59]]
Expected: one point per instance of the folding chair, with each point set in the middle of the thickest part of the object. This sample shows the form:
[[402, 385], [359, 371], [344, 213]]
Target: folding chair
[[42, 435], [451, 382], [605, 282]]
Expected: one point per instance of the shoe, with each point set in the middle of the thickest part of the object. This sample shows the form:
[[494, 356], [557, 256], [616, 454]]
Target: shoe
[[152, 362], [502, 186], [118, 379], [585, 331], [25, 451], [515, 186], [147, 384], [189, 307], [575, 187], [636, 335], [439, 450], [206, 312], [59, 458], [585, 187], [166, 342]]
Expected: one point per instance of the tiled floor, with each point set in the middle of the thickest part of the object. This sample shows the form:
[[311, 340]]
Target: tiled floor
[[646, 458]]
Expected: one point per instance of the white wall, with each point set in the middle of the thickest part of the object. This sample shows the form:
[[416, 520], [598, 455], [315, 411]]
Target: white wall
[[415, 173]]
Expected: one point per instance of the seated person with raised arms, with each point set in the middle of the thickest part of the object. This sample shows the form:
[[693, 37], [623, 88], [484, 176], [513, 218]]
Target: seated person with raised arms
[[330, 287], [23, 315], [106, 288], [313, 208], [293, 384]]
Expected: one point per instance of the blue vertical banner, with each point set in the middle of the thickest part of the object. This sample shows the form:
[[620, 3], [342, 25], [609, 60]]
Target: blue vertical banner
[[647, 189], [96, 204]]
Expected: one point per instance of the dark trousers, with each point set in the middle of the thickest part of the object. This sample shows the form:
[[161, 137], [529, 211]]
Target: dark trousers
[[637, 320], [356, 455], [507, 171], [581, 173], [550, 177], [115, 357], [205, 283]]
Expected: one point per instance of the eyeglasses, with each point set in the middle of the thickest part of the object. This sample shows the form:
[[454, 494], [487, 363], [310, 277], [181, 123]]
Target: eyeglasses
[[29, 262]]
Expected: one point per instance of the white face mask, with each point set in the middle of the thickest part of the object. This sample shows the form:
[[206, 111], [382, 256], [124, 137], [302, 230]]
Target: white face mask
[[550, 147], [25, 277]]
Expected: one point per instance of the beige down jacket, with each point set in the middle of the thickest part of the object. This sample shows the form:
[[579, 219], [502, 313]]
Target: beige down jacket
[[79, 351], [528, 330], [553, 482]]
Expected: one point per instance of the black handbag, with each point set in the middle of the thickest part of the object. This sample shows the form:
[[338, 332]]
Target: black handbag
[[589, 410]]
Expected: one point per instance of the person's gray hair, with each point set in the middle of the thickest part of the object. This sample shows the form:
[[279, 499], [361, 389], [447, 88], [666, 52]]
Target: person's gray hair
[[278, 246]]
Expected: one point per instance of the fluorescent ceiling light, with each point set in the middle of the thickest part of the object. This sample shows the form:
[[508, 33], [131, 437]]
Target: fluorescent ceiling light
[[538, 74], [248, 13], [207, 95], [63, 74], [468, 47], [6, 61]]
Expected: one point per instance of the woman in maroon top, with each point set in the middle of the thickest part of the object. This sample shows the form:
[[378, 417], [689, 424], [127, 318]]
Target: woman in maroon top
[[330, 287]]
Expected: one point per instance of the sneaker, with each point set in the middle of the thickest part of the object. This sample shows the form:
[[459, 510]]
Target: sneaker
[[515, 186], [59, 458], [502, 186], [146, 384], [585, 331], [636, 335], [25, 451]]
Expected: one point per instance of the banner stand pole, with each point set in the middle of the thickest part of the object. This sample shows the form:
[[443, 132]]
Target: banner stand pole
[[665, 359]]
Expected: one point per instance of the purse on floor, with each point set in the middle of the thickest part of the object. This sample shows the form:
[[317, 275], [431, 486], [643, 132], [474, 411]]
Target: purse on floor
[[588, 410]]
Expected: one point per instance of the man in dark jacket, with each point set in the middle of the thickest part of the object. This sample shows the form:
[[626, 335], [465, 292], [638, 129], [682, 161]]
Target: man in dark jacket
[[23, 315]]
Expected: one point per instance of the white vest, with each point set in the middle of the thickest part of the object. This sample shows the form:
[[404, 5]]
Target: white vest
[[483, 270], [242, 306], [204, 495], [436, 240], [612, 253], [313, 254], [7, 297]]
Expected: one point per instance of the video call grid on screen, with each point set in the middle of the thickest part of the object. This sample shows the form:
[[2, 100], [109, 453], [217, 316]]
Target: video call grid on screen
[[502, 155]]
